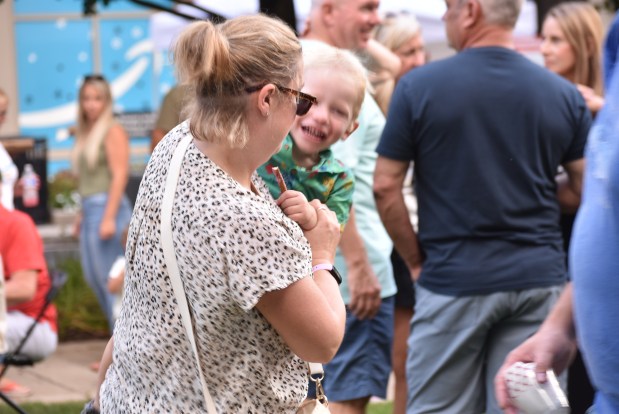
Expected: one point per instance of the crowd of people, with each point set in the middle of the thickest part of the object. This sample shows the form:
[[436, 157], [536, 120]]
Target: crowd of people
[[422, 224]]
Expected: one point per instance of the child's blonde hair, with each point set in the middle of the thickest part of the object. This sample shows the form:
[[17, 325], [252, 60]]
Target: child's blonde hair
[[319, 55]]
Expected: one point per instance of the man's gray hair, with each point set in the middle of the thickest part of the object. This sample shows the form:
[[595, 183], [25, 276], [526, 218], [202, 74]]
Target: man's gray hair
[[501, 12]]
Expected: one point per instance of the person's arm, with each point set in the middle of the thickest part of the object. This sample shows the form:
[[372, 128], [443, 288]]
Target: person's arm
[[115, 285], [309, 314], [106, 361], [569, 185], [21, 287], [22, 258], [552, 347], [117, 151], [363, 284], [388, 182], [116, 277]]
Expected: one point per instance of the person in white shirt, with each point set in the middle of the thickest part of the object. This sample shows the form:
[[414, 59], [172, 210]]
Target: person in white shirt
[[7, 167]]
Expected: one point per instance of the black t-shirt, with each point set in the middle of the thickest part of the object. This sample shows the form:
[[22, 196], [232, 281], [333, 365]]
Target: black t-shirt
[[487, 130]]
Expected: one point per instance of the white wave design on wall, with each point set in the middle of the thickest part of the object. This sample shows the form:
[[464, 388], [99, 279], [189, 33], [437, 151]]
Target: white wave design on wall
[[64, 114]]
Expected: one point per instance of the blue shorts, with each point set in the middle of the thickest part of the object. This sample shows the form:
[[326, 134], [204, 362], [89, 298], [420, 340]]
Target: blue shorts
[[362, 365]]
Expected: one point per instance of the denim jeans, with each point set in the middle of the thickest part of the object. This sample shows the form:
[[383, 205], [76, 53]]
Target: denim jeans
[[98, 255]]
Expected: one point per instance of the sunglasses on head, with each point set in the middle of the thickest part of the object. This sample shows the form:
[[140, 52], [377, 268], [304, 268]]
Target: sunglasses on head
[[94, 77], [304, 101]]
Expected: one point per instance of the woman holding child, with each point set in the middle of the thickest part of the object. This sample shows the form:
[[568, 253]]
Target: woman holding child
[[259, 305]]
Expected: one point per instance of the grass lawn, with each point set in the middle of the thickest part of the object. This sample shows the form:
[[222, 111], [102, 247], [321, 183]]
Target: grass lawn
[[38, 408], [75, 408]]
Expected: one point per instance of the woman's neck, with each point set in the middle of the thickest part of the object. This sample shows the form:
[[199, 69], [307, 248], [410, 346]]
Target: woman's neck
[[235, 162]]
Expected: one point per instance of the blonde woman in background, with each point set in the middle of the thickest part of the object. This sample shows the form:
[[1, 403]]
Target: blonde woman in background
[[572, 36], [100, 159], [401, 34]]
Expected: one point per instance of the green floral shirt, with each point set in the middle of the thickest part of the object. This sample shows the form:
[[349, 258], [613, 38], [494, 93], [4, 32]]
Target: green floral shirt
[[328, 181]]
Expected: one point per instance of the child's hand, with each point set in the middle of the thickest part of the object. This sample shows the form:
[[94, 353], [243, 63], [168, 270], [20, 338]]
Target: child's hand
[[297, 208]]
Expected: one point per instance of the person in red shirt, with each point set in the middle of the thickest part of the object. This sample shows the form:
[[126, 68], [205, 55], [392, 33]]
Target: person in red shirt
[[26, 282]]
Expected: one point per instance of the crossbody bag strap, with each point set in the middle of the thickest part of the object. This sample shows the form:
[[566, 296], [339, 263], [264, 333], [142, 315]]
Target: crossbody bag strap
[[170, 258], [316, 374]]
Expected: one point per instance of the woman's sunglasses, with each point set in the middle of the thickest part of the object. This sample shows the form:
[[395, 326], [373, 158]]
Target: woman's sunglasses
[[94, 77], [304, 101]]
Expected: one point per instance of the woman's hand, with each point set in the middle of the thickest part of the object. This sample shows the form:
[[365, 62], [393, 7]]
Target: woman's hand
[[325, 235], [77, 225], [594, 102], [297, 208], [107, 229]]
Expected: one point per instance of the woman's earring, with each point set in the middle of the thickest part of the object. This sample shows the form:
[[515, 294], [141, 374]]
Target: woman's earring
[[267, 114]]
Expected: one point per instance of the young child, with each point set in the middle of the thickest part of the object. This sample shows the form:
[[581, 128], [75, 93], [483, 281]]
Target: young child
[[338, 81]]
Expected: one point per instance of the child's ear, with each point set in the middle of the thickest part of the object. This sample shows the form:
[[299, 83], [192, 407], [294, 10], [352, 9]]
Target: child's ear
[[352, 128]]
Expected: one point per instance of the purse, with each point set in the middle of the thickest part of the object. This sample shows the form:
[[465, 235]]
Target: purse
[[315, 371], [320, 404]]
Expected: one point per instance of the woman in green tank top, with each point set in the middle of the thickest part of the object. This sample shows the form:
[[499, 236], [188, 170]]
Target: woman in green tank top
[[100, 160]]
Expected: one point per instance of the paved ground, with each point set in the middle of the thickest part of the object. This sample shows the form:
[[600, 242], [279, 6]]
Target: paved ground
[[64, 376]]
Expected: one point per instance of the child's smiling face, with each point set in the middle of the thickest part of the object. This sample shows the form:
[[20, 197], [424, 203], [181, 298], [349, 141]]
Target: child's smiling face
[[331, 119]]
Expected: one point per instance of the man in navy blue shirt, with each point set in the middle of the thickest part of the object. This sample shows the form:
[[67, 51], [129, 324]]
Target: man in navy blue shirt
[[487, 130]]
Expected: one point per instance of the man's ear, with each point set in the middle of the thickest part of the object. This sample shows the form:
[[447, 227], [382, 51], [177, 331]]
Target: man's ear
[[327, 14], [265, 99], [473, 14], [352, 128]]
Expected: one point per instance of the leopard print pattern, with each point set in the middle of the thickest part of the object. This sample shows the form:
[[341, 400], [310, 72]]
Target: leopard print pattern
[[232, 246]]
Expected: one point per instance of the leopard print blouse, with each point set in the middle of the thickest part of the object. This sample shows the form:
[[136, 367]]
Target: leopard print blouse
[[232, 246]]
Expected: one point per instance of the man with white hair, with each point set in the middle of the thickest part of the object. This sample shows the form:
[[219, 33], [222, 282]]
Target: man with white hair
[[487, 130], [362, 365]]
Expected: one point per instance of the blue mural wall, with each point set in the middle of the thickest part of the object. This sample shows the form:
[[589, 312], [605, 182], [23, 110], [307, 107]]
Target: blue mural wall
[[56, 46]]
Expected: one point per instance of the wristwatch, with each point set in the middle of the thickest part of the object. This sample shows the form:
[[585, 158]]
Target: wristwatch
[[328, 266]]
